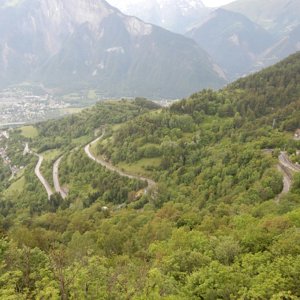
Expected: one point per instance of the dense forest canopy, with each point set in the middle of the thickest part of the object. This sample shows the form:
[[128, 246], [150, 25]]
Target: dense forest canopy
[[216, 225]]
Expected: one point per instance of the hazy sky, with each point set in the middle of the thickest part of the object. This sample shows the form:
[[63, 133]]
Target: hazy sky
[[214, 3], [209, 3]]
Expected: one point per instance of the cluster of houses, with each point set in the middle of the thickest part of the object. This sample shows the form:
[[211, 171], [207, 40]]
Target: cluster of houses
[[18, 107], [5, 158]]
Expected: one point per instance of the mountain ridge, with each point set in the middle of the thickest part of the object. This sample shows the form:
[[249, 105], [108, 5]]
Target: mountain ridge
[[253, 35], [88, 44], [219, 225], [177, 16], [233, 40], [277, 16]]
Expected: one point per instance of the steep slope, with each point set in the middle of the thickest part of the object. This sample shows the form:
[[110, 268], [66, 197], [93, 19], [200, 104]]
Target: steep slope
[[271, 90], [284, 46], [89, 44], [246, 36], [175, 15], [232, 40], [277, 16], [213, 229], [273, 93]]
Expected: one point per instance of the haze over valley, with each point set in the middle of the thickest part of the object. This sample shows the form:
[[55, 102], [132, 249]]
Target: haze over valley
[[99, 49]]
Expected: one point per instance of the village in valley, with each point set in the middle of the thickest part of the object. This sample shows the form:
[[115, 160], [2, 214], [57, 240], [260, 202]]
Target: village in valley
[[19, 106]]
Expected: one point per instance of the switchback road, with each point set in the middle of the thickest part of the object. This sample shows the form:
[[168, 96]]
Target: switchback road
[[111, 167], [286, 167], [57, 185], [38, 173]]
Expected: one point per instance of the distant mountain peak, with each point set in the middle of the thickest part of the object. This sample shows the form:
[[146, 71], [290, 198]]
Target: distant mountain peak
[[174, 15], [76, 11], [234, 41], [137, 28], [88, 44], [276, 16]]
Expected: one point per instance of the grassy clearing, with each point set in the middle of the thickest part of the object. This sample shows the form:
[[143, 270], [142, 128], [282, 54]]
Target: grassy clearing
[[47, 165], [71, 96], [116, 127], [16, 188], [136, 168], [140, 167], [71, 110], [29, 131], [102, 142], [92, 95], [155, 112], [93, 148], [83, 140], [51, 155], [188, 135], [19, 174]]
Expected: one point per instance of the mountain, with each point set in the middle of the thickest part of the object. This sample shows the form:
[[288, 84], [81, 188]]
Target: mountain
[[280, 18], [248, 35], [232, 40], [283, 47], [276, 16], [175, 15], [88, 44]]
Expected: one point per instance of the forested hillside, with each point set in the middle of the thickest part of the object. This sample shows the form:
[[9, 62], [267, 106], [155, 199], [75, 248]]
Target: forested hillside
[[217, 224]]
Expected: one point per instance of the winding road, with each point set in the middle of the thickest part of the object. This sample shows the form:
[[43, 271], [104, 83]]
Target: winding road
[[286, 167], [57, 185], [37, 170], [42, 179], [284, 160], [111, 167], [287, 179]]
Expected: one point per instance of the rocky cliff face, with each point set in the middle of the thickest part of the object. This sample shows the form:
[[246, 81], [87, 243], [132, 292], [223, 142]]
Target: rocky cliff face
[[89, 44], [248, 35], [280, 18], [175, 15], [277, 16], [234, 41]]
